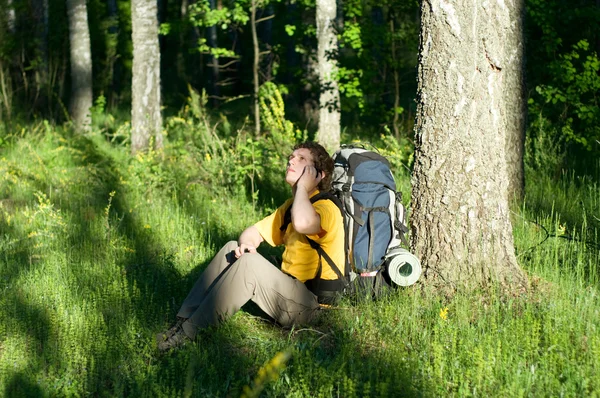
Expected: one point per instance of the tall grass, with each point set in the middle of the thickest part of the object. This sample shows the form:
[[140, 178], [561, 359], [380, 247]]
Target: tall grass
[[98, 249]]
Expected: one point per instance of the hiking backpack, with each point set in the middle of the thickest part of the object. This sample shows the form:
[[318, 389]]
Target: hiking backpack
[[374, 219]]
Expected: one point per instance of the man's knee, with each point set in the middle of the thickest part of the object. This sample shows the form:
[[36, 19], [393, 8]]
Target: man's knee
[[255, 260], [231, 245]]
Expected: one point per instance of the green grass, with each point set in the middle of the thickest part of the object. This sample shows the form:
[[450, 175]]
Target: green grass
[[98, 249]]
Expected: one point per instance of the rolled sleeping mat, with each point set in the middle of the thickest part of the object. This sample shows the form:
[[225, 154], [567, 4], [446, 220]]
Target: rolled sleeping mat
[[403, 267]]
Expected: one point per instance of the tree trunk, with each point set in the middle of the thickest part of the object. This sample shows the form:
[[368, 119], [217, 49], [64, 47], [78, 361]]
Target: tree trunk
[[515, 104], [329, 98], [461, 228], [597, 35], [81, 64], [213, 42], [255, 65], [396, 74], [112, 70], [146, 119], [11, 18], [40, 10]]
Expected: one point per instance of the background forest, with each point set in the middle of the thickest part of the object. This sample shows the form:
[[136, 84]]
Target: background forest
[[99, 246]]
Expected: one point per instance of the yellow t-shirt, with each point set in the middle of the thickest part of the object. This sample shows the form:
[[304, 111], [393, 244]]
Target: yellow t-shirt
[[299, 259]]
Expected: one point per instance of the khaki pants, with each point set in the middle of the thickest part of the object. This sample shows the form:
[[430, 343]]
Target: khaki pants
[[228, 283]]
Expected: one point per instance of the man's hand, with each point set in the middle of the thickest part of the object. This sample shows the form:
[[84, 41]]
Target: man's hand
[[244, 248], [248, 241], [309, 179], [304, 217]]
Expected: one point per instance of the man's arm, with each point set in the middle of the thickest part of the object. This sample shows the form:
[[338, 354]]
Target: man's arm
[[248, 241], [304, 217]]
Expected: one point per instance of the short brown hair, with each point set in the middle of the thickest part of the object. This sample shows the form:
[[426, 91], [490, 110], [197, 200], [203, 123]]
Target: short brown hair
[[321, 160]]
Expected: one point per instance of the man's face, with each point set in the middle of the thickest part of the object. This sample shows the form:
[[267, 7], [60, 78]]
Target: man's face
[[296, 161]]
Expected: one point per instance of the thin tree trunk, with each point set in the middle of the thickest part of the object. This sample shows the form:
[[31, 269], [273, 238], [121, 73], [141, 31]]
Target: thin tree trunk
[[213, 42], [11, 17], [266, 37], [255, 68], [329, 99], [112, 75], [6, 93], [396, 83], [183, 15], [146, 120], [460, 220], [291, 56], [6, 90], [81, 64], [41, 72], [598, 35]]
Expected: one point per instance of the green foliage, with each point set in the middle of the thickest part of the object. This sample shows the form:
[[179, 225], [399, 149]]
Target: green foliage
[[349, 84], [164, 29], [224, 17], [290, 29], [563, 68], [203, 15], [378, 45], [283, 133], [570, 99]]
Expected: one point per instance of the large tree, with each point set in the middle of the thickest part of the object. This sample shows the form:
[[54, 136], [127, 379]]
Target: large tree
[[146, 120], [460, 220], [329, 98], [81, 64]]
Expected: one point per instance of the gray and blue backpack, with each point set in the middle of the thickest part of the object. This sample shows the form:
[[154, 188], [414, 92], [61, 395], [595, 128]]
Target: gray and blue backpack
[[375, 221]]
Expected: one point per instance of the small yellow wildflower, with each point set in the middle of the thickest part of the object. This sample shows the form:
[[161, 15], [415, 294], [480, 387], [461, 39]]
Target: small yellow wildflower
[[147, 226], [444, 313], [269, 372]]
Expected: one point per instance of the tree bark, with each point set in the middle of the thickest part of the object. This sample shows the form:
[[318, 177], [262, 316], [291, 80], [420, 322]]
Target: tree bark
[[460, 220], [213, 42], [113, 66], [40, 14], [11, 18], [329, 98], [81, 64], [515, 103], [255, 65], [146, 120], [396, 74]]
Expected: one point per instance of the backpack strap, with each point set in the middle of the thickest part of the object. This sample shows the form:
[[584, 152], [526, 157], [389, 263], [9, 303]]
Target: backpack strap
[[326, 290], [371, 221], [287, 217]]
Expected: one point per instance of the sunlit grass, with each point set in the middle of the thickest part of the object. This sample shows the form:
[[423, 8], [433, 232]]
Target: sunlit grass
[[98, 249]]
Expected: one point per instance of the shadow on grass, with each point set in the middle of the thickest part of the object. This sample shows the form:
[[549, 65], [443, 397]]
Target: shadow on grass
[[326, 360], [29, 320], [20, 385]]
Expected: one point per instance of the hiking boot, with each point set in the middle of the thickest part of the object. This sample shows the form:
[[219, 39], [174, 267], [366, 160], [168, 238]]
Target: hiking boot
[[173, 338], [164, 335]]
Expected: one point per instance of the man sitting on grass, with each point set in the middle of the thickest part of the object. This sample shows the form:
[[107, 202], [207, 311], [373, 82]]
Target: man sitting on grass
[[238, 273]]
